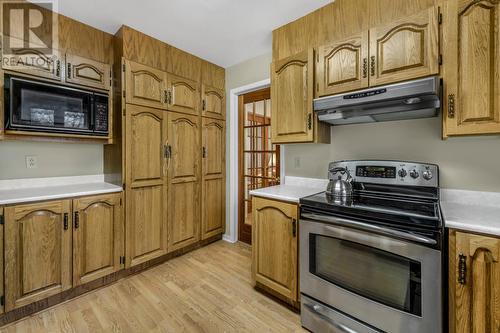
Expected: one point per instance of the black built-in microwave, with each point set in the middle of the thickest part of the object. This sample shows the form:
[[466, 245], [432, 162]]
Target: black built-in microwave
[[37, 106]]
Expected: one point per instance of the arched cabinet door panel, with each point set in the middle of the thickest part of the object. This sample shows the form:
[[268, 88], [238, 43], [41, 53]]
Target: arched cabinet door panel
[[38, 242], [213, 103], [145, 85], [97, 237], [405, 49], [471, 71], [274, 246], [213, 178], [292, 89], [87, 72], [183, 180], [342, 66], [183, 95]]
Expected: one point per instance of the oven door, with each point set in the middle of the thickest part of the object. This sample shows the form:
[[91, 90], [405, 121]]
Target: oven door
[[371, 273]]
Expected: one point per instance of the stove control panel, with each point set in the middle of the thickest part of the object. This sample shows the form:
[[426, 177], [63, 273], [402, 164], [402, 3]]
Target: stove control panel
[[391, 172]]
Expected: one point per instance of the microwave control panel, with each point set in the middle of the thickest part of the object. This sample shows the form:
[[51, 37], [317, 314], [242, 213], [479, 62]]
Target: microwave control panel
[[101, 117]]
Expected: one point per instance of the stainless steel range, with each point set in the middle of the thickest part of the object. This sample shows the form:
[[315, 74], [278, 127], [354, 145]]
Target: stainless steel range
[[371, 259]]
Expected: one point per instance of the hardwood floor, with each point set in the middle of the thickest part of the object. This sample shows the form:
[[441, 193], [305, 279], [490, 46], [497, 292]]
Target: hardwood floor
[[207, 290]]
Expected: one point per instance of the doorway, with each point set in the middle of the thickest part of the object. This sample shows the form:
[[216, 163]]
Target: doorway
[[259, 159]]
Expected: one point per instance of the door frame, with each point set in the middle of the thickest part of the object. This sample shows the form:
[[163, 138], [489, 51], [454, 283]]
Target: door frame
[[232, 201]]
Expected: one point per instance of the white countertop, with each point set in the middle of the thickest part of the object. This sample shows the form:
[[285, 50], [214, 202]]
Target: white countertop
[[39, 189], [293, 189], [471, 211]]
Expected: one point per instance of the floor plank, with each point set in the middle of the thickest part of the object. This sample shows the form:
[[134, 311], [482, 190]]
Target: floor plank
[[207, 290]]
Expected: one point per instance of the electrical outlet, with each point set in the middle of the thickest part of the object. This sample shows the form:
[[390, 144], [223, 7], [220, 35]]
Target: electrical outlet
[[31, 162]]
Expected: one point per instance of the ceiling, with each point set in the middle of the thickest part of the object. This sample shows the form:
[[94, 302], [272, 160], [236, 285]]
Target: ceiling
[[225, 32]]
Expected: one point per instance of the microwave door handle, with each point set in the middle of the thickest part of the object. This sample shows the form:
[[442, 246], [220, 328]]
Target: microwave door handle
[[370, 227], [92, 113]]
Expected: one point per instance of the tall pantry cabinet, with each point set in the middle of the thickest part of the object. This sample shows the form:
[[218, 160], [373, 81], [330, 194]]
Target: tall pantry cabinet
[[171, 149]]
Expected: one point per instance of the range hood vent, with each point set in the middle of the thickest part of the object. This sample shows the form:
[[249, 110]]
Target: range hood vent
[[406, 100]]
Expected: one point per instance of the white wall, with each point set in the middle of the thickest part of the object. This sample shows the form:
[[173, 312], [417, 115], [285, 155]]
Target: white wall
[[471, 163], [54, 159]]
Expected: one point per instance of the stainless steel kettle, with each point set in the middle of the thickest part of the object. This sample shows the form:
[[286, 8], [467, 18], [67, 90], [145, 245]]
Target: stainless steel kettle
[[339, 187]]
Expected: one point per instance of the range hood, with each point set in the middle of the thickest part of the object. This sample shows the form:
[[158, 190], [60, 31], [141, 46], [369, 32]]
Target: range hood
[[400, 101]]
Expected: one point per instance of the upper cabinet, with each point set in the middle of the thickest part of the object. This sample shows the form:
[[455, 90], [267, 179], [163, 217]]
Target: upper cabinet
[[405, 49], [32, 61], [343, 65], [214, 105], [471, 38], [87, 72], [292, 94], [402, 50], [145, 85], [183, 95]]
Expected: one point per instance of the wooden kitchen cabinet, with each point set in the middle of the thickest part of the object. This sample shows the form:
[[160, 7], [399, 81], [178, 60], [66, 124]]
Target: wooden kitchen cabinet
[[342, 66], [145, 85], [97, 237], [274, 247], [87, 72], [292, 91], [183, 95], [32, 61], [183, 180], [471, 67], [213, 101], [474, 283], [213, 178], [146, 180], [38, 244], [405, 49]]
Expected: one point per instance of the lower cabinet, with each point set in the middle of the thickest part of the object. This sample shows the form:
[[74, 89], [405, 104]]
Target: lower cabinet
[[50, 247], [97, 237], [275, 247], [474, 283], [37, 251]]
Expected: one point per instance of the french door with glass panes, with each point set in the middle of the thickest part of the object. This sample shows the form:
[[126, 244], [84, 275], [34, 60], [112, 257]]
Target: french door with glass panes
[[259, 159]]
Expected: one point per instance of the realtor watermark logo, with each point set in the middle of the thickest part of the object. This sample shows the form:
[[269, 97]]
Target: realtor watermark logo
[[29, 33]]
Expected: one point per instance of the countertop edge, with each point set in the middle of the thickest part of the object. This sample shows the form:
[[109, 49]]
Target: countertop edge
[[71, 194], [275, 197]]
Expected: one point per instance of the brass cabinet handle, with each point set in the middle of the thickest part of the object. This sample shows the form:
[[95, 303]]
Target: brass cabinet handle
[[204, 106], [365, 67], [65, 221], [294, 227], [58, 68], [68, 74], [309, 121], [166, 96], [372, 65], [451, 106], [204, 152], [77, 220], [462, 268]]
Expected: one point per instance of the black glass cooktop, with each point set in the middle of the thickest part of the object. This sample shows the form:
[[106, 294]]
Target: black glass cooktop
[[388, 208]]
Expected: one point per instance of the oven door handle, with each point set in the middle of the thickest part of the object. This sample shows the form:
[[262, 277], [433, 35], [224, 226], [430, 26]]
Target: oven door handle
[[317, 309], [370, 227]]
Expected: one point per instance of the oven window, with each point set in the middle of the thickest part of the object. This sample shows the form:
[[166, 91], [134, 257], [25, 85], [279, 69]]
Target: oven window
[[372, 273]]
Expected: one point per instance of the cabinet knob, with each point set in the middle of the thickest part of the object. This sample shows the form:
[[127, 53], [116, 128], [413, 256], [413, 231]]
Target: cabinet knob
[[462, 268], [77, 220], [65, 221], [365, 67], [294, 227]]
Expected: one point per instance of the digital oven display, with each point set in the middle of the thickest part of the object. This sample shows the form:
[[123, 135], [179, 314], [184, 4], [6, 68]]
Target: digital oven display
[[376, 171]]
